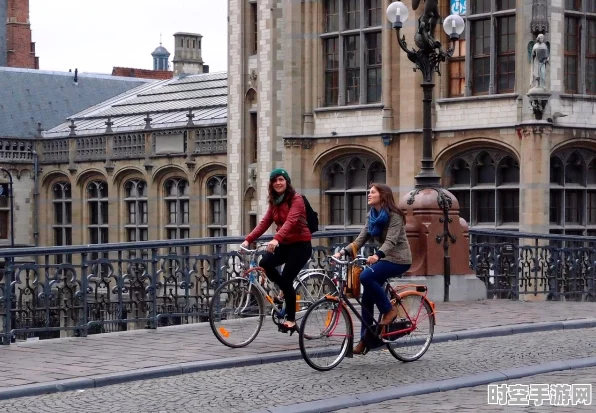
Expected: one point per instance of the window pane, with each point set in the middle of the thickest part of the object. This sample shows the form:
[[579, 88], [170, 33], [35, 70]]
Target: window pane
[[573, 5], [337, 210], [574, 172], [591, 54], [172, 208], [374, 13], [374, 72], [68, 212], [185, 211], [332, 15], [337, 178], [104, 213], [377, 174], [509, 206], [331, 71], [3, 224], [352, 45], [571, 53], [93, 213], [143, 212], [463, 198], [573, 207], [358, 209], [460, 173], [505, 4], [480, 56], [506, 54], [132, 213], [58, 214], [591, 208], [485, 206], [352, 12], [486, 170], [132, 235], [480, 6]]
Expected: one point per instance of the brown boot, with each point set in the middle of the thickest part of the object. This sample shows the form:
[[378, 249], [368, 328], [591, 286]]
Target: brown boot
[[360, 347], [389, 316]]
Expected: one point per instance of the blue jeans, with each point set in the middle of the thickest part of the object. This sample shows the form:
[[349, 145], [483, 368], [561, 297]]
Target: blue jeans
[[372, 279]]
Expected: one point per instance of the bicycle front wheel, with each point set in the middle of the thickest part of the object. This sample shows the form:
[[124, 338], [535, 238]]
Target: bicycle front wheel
[[326, 334], [236, 313], [310, 288], [411, 346]]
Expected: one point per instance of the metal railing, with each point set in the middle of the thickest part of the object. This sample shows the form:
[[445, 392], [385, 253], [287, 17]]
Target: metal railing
[[516, 264], [48, 292]]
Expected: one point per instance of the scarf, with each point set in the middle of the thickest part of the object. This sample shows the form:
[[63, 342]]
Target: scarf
[[377, 221], [279, 199]]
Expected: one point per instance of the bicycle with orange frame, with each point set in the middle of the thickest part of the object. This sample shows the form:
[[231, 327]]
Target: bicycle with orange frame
[[329, 323]]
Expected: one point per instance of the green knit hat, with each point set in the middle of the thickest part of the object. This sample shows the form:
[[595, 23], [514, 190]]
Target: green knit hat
[[280, 172]]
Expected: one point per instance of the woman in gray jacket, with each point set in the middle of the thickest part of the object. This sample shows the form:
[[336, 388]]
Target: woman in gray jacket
[[386, 225]]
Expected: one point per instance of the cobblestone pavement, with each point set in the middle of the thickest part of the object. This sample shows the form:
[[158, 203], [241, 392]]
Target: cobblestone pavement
[[246, 389], [476, 398], [51, 360]]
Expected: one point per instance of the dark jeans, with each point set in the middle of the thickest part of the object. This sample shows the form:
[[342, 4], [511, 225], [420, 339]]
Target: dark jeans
[[294, 256], [372, 279]]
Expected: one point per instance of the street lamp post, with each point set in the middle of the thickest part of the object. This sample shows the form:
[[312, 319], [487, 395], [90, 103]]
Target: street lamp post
[[427, 59]]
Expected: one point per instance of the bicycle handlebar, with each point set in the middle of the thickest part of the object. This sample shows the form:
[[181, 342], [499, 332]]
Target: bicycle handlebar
[[358, 259]]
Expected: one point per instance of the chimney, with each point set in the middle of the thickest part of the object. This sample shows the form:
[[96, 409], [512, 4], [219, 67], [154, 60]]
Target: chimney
[[187, 54]]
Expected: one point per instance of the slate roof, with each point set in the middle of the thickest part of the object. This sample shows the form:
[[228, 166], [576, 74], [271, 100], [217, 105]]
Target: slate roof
[[30, 96], [168, 102]]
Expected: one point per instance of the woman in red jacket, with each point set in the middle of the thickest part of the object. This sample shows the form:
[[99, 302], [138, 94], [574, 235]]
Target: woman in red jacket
[[292, 242]]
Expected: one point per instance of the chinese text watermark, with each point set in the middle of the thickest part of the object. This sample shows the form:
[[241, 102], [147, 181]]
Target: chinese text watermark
[[540, 394]]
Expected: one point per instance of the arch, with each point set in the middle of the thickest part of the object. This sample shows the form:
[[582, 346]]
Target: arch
[[88, 173], [351, 149], [53, 175], [250, 95], [208, 167], [576, 143], [161, 172], [448, 154], [120, 175]]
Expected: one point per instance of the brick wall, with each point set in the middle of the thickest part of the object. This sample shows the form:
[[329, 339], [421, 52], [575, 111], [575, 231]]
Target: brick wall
[[142, 73], [21, 51], [349, 121]]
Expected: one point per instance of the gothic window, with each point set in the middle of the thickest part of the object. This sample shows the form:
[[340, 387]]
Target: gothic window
[[352, 45], [98, 215], [176, 199], [253, 28], [580, 46], [4, 213], [347, 181], [62, 207], [135, 198], [217, 192], [573, 193], [486, 185], [491, 47]]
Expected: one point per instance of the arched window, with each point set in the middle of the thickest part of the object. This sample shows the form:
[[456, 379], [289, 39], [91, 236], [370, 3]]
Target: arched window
[[176, 198], [135, 198], [217, 192], [62, 224], [346, 183], [486, 185], [573, 192], [97, 201]]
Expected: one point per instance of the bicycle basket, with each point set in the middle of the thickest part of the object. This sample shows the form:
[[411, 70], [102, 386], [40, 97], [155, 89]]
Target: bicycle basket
[[353, 281]]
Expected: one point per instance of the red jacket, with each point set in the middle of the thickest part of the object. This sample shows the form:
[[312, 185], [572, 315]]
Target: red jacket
[[291, 222]]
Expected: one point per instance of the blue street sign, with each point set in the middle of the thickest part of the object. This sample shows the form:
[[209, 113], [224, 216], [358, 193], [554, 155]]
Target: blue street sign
[[3, 189], [458, 7]]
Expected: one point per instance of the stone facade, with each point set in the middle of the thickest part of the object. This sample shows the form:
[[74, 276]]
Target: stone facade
[[287, 73]]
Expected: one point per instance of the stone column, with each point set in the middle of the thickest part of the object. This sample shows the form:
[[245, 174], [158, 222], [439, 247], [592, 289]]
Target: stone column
[[309, 39], [534, 178], [388, 37]]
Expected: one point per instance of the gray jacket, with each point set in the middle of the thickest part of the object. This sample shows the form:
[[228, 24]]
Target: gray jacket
[[394, 242]]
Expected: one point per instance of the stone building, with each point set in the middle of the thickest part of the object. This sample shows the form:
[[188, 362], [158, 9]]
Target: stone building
[[30, 101], [148, 164], [16, 47], [322, 88]]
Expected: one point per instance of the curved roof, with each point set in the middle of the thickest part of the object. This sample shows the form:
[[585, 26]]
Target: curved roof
[[160, 51]]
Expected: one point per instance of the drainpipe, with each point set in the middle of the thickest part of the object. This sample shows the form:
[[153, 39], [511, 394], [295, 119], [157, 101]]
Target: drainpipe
[[35, 198]]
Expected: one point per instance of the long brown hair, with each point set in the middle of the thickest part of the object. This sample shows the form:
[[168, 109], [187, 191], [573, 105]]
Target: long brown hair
[[387, 200], [289, 194]]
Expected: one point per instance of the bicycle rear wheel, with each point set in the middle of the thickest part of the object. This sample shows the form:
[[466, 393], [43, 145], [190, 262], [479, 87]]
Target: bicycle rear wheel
[[326, 334], [411, 346], [310, 288], [236, 313]]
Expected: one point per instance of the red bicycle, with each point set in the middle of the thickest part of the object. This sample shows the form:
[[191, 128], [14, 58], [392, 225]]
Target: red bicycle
[[327, 329]]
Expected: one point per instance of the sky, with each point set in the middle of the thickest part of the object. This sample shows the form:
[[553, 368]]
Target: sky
[[96, 35]]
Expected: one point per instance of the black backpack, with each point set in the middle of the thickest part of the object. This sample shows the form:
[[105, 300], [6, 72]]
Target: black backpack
[[312, 218]]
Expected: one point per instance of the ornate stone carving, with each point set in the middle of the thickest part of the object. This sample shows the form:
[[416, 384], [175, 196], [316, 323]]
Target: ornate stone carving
[[539, 23], [298, 143], [252, 79]]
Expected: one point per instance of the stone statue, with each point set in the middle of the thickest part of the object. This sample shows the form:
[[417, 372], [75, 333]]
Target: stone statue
[[539, 58]]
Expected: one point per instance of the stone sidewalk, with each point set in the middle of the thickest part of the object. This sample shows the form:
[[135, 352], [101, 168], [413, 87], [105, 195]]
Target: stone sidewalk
[[48, 361]]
